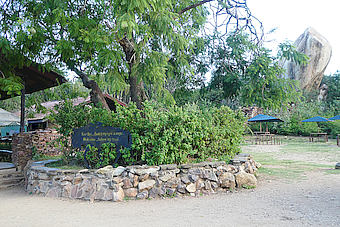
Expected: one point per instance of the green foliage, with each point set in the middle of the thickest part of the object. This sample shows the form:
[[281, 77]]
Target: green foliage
[[162, 136], [106, 156], [249, 72], [301, 111], [333, 94]]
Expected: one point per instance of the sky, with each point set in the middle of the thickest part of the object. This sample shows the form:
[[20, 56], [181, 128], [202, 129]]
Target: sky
[[293, 17]]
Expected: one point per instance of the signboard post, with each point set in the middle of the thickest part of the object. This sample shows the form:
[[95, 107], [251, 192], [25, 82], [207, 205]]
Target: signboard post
[[97, 134]]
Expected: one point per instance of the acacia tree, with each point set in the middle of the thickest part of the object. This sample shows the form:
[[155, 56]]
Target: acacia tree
[[249, 72], [131, 42]]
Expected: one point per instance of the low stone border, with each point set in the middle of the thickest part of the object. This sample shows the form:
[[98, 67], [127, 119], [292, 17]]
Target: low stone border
[[141, 182]]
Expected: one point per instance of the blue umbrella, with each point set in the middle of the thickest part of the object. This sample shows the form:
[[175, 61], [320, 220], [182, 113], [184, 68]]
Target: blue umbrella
[[316, 119], [335, 118], [264, 118]]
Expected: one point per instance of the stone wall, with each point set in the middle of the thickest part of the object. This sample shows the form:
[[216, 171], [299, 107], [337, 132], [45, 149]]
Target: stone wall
[[141, 182], [21, 149], [43, 141], [23, 144]]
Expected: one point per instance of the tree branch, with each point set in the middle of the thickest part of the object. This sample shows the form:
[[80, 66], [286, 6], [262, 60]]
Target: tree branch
[[193, 6]]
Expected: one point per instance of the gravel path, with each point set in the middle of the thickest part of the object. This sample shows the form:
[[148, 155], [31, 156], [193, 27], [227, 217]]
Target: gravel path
[[314, 201]]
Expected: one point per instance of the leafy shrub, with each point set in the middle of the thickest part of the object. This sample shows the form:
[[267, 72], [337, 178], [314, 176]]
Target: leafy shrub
[[163, 135], [106, 156], [304, 110]]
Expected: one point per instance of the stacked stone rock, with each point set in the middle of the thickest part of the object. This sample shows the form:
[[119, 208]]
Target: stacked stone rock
[[141, 182], [43, 141], [21, 149]]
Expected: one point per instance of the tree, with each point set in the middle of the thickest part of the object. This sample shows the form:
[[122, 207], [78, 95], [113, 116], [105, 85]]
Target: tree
[[249, 72], [134, 43]]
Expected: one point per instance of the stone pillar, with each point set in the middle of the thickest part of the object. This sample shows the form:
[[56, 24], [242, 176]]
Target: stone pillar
[[21, 149]]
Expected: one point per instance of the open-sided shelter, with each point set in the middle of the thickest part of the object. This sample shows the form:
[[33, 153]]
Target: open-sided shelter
[[264, 118], [9, 123], [34, 80]]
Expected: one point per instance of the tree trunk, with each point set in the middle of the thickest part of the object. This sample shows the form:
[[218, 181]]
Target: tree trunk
[[137, 93], [96, 94]]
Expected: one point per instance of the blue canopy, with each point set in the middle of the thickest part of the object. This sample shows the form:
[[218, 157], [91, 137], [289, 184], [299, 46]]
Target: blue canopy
[[316, 119], [335, 118], [265, 118]]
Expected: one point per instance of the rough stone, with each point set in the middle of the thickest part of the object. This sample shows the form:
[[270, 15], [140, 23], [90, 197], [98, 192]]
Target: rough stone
[[197, 171], [153, 193], [67, 191], [319, 51], [118, 171], [135, 181], [104, 170], [154, 175], [162, 191], [172, 183], [216, 164], [54, 192], [167, 177], [142, 195], [191, 187], [127, 183], [185, 179], [108, 195], [337, 166], [131, 192], [100, 194], [68, 178], [43, 176], [119, 195], [181, 188], [227, 180], [143, 177], [146, 185], [214, 185], [168, 167], [211, 175], [186, 166], [117, 180], [199, 184], [248, 168], [207, 185], [244, 179], [171, 191], [193, 178], [146, 171], [74, 190], [77, 180]]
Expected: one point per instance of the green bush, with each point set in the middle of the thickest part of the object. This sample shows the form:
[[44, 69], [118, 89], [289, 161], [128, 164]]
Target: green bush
[[293, 116], [106, 156], [163, 135]]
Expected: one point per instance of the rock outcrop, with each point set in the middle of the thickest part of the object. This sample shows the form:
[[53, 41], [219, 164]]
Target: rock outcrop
[[319, 51]]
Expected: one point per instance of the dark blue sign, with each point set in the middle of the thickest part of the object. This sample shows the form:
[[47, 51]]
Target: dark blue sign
[[97, 134]]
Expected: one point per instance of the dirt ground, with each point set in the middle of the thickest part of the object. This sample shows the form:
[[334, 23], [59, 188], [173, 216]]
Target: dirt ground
[[313, 201]]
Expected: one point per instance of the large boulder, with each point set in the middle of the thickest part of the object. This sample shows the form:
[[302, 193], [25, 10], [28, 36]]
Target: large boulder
[[319, 51]]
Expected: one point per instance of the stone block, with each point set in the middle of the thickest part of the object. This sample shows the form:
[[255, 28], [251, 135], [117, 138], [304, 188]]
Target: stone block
[[119, 195], [191, 187], [227, 180], [131, 192], [153, 193], [244, 179], [146, 185], [143, 195], [168, 167]]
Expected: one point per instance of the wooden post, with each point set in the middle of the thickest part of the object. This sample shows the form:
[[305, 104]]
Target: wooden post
[[22, 115]]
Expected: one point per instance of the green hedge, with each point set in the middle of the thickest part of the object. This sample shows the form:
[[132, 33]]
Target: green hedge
[[162, 135]]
